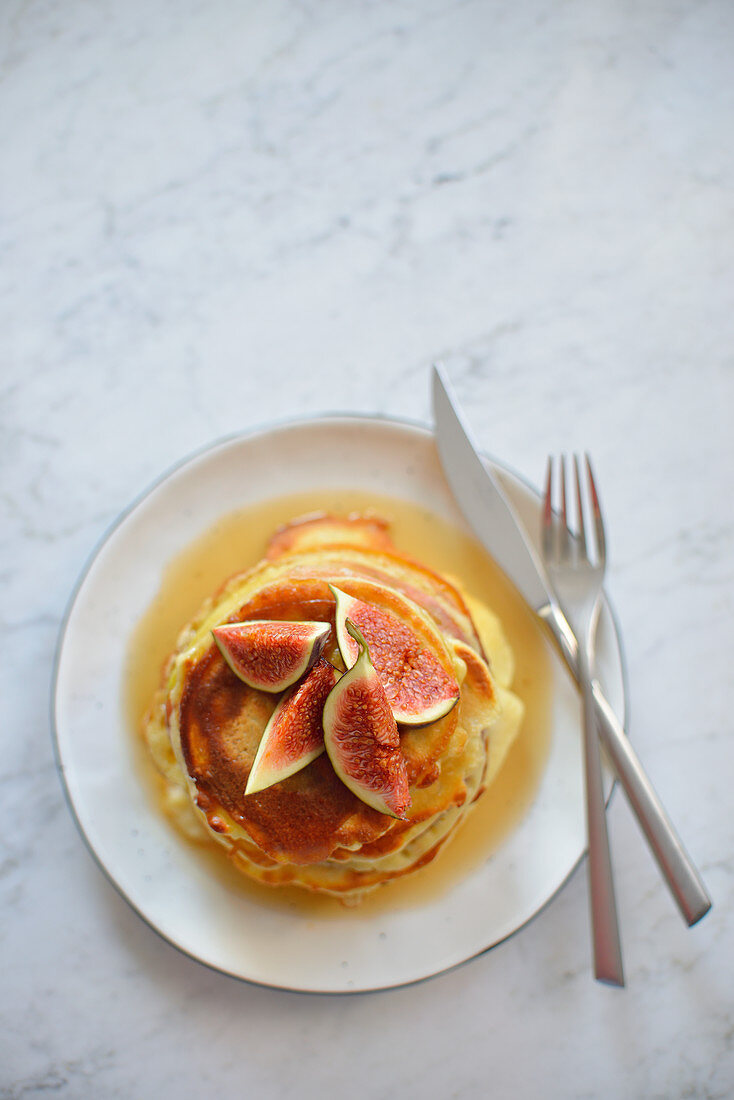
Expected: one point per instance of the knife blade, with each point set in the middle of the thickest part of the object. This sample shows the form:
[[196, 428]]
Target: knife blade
[[491, 515], [483, 501]]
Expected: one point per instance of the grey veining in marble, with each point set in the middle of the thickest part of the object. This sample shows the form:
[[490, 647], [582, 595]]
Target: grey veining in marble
[[212, 215]]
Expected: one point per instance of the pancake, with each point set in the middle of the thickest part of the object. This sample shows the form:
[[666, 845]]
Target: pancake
[[204, 725]]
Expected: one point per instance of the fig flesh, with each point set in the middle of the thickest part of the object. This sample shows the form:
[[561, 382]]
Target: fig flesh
[[420, 690], [294, 735], [361, 736], [269, 654]]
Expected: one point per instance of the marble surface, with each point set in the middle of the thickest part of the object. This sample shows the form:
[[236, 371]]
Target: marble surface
[[214, 215]]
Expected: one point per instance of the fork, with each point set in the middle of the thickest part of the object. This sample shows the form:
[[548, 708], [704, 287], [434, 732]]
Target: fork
[[576, 577]]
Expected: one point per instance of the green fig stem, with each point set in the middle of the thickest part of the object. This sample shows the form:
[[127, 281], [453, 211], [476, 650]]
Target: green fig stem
[[364, 649]]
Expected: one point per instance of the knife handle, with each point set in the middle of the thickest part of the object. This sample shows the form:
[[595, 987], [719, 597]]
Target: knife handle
[[676, 866], [682, 877]]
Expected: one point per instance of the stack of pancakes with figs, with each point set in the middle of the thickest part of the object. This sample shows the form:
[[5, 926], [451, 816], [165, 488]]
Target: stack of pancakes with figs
[[330, 715]]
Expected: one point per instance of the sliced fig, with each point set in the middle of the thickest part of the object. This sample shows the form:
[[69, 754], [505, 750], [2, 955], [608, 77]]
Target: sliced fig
[[269, 654], [420, 690], [361, 736], [294, 736]]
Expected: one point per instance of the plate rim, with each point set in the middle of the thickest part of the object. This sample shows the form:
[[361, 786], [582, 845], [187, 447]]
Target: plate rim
[[211, 446]]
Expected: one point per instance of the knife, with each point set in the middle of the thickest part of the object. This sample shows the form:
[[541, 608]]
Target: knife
[[491, 515]]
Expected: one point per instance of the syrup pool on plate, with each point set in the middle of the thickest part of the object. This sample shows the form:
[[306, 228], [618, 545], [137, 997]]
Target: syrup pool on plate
[[236, 542]]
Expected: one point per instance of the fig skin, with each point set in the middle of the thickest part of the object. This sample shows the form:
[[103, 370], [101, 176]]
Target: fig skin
[[361, 736], [294, 735], [271, 654], [419, 689]]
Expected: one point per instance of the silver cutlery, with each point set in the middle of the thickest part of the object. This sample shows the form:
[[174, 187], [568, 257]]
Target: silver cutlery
[[576, 574], [480, 496]]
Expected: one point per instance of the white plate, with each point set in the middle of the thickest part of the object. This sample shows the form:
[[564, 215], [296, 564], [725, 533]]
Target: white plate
[[163, 879]]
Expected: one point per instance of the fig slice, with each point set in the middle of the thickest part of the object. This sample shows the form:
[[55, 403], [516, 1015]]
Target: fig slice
[[420, 690], [361, 736], [270, 654], [294, 736]]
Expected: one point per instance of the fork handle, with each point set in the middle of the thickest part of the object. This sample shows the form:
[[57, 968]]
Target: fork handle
[[604, 927], [675, 864]]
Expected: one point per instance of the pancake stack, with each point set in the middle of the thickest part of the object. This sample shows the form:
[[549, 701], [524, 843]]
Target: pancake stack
[[205, 724]]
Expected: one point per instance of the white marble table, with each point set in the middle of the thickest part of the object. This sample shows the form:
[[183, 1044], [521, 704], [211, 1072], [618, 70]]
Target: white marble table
[[214, 215]]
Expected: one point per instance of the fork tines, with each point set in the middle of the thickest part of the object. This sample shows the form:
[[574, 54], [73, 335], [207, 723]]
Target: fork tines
[[557, 540]]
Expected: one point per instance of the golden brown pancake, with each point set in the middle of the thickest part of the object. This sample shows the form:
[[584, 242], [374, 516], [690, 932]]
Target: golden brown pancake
[[205, 724]]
